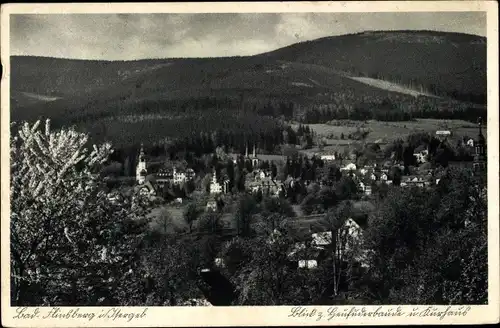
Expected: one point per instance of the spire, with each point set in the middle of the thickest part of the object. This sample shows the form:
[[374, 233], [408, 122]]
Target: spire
[[480, 156], [246, 150], [254, 151], [481, 139], [141, 153]]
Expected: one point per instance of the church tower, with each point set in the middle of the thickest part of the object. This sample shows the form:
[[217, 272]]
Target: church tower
[[214, 177], [255, 160], [141, 170], [480, 151]]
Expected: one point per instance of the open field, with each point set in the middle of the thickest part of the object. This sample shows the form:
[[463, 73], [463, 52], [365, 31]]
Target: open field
[[386, 132], [389, 131], [390, 86], [175, 221]]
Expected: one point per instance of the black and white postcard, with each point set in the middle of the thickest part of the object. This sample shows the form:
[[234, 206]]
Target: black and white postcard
[[242, 164]]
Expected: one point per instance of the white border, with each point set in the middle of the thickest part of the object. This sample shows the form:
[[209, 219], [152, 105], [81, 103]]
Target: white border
[[260, 315]]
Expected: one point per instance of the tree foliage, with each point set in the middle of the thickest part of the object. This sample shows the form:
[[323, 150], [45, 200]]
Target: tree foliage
[[431, 247], [69, 243]]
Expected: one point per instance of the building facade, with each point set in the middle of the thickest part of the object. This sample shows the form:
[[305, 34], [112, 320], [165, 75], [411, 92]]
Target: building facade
[[141, 169]]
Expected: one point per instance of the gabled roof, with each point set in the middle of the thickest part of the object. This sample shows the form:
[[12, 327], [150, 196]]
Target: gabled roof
[[146, 184]]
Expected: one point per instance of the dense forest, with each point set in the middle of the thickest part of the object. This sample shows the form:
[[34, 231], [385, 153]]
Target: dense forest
[[310, 82]]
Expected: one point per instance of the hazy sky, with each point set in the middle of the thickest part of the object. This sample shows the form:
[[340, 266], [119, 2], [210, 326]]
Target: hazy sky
[[135, 36]]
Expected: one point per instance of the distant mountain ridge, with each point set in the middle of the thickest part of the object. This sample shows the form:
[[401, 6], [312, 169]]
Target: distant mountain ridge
[[451, 65]]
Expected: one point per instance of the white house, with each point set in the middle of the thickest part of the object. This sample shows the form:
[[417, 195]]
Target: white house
[[368, 190], [215, 187], [321, 239], [470, 143], [421, 155], [261, 174], [211, 205], [349, 167], [383, 177], [353, 228], [308, 264], [305, 258], [179, 176], [219, 262], [146, 189], [327, 158]]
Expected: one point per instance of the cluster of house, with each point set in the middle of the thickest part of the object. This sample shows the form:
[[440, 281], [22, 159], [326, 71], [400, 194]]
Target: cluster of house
[[163, 176], [258, 180], [174, 175], [255, 181], [262, 180], [316, 244]]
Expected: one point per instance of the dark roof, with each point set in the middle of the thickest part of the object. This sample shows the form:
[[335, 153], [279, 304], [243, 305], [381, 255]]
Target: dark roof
[[419, 149], [271, 158], [361, 219], [262, 157], [146, 184]]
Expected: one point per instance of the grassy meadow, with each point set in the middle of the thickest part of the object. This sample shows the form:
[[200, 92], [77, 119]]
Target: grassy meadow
[[386, 132]]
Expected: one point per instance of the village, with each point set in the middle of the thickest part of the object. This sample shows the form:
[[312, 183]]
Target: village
[[266, 175], [302, 157]]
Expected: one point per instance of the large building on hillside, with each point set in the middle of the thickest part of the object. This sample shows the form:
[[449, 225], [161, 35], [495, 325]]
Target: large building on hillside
[[163, 176], [217, 187], [262, 181], [174, 175]]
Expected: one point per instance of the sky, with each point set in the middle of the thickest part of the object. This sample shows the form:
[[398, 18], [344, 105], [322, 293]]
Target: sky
[[139, 36]]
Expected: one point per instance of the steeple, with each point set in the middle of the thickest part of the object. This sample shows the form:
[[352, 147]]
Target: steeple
[[480, 154], [141, 169], [246, 150], [481, 138], [141, 154], [254, 159]]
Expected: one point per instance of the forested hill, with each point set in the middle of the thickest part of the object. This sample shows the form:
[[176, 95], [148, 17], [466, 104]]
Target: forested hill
[[328, 71], [451, 64]]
